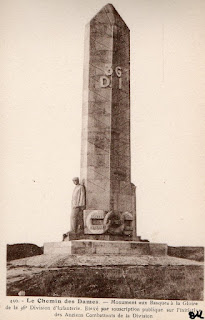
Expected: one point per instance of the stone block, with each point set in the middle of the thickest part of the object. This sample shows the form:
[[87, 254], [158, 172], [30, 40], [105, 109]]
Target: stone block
[[90, 247], [57, 247], [82, 247], [102, 201], [125, 187], [140, 248], [158, 249], [107, 250]]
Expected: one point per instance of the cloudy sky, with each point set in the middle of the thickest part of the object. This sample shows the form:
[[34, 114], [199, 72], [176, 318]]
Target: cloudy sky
[[42, 45]]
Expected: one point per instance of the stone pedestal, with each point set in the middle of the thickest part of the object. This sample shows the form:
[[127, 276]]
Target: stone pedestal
[[98, 247]]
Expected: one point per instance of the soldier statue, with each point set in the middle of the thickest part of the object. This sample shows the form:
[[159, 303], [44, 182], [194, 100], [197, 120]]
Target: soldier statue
[[78, 205]]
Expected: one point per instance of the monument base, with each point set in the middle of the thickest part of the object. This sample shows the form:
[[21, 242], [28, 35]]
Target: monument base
[[108, 276], [99, 247]]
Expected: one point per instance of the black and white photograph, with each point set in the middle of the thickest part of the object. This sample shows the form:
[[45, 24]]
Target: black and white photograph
[[103, 159]]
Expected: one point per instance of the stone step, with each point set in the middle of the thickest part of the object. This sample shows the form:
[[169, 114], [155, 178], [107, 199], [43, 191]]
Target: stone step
[[105, 247], [103, 237]]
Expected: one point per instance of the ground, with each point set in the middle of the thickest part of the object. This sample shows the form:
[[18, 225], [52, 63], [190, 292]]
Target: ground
[[110, 276]]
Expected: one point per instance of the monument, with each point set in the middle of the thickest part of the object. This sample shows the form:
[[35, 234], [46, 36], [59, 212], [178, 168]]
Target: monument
[[100, 256], [105, 145], [109, 215]]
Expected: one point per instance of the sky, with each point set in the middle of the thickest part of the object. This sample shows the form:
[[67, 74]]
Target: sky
[[42, 49]]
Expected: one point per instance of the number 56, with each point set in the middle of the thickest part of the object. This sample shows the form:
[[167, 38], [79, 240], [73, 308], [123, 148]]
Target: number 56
[[109, 70]]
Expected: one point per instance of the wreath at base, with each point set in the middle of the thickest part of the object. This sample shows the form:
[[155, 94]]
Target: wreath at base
[[114, 223]]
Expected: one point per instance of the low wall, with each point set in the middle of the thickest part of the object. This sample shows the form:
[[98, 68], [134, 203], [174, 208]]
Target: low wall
[[192, 253], [22, 250]]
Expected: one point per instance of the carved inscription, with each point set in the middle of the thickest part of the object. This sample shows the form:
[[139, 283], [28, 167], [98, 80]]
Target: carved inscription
[[93, 221], [106, 80]]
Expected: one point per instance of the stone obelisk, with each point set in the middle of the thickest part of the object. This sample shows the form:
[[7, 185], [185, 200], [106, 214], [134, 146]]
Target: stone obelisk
[[110, 213], [105, 145]]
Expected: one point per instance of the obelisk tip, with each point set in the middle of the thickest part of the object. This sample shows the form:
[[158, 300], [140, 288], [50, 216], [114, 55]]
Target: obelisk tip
[[108, 14]]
